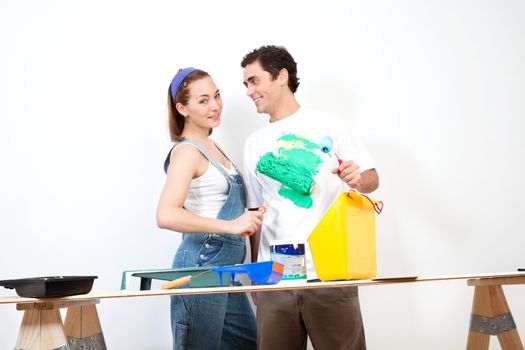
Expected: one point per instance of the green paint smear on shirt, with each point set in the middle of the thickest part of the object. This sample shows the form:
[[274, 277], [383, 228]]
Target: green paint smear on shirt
[[294, 167], [296, 139], [301, 200]]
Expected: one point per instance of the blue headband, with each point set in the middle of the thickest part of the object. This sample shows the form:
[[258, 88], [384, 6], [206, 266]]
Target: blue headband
[[178, 79]]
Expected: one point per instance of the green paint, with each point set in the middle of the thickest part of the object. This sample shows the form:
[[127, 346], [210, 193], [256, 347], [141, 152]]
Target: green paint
[[296, 139], [292, 168], [301, 200], [294, 165]]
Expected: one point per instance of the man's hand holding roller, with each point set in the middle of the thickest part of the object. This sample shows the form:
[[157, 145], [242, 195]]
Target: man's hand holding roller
[[364, 182]]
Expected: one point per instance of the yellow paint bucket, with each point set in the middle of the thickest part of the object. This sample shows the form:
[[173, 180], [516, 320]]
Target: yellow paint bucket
[[343, 244]]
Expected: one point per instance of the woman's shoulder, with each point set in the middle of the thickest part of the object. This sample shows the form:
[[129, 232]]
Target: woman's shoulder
[[187, 159], [185, 153]]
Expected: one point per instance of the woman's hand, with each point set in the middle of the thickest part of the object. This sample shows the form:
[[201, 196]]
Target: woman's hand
[[248, 222]]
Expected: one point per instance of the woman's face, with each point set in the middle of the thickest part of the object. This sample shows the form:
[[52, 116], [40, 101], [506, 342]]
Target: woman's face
[[204, 106]]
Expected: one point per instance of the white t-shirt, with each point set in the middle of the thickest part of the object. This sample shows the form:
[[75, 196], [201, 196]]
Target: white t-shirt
[[286, 171]]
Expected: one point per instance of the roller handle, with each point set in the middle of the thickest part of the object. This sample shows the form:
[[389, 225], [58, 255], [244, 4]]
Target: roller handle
[[177, 282], [339, 160]]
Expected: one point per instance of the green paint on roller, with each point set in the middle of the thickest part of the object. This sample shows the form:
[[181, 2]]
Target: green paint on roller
[[291, 168], [293, 164]]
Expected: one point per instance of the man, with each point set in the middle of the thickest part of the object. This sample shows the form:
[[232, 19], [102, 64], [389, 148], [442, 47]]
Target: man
[[286, 171]]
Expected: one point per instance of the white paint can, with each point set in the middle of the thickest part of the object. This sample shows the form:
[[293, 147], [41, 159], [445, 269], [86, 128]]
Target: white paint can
[[290, 253]]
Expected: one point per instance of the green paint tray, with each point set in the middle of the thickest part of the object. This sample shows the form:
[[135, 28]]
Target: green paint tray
[[207, 280]]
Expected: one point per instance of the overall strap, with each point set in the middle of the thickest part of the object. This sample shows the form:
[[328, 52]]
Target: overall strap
[[224, 154], [239, 174], [200, 149]]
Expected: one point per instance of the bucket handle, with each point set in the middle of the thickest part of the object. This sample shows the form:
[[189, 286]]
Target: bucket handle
[[378, 205]]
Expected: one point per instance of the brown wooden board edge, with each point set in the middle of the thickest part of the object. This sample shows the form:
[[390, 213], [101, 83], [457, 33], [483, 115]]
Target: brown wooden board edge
[[260, 288]]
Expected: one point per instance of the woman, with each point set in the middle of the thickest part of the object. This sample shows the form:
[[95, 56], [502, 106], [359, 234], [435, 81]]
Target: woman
[[203, 197]]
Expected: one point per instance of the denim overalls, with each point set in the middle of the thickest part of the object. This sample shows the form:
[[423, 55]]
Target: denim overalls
[[214, 321]]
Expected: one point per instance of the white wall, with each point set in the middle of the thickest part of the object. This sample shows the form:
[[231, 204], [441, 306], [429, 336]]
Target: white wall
[[435, 88]]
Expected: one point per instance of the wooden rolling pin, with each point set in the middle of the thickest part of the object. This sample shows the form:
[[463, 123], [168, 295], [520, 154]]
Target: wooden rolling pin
[[182, 280]]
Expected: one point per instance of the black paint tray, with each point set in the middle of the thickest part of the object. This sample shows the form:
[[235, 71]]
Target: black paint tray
[[50, 287]]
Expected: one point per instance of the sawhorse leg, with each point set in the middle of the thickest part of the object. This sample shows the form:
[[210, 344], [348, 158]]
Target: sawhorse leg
[[82, 328], [491, 316], [42, 327]]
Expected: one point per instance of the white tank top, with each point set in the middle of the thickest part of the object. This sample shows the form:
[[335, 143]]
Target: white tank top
[[208, 192]]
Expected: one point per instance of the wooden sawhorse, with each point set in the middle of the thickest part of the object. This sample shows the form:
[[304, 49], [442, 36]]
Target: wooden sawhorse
[[491, 315], [42, 326]]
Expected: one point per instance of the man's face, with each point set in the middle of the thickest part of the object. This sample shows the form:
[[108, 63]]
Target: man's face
[[264, 91]]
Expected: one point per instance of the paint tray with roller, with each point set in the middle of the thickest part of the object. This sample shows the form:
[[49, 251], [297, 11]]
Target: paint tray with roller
[[266, 272]]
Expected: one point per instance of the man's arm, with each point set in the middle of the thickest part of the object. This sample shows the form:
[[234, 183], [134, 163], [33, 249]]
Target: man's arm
[[369, 181]]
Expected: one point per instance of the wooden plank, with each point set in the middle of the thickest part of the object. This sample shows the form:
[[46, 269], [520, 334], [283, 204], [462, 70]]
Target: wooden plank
[[488, 297], [496, 281], [60, 304], [263, 288]]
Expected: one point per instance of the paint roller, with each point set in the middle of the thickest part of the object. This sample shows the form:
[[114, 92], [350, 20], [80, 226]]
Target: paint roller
[[295, 176], [326, 146]]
